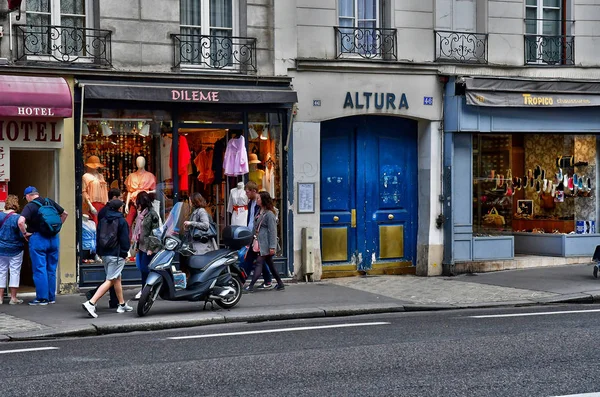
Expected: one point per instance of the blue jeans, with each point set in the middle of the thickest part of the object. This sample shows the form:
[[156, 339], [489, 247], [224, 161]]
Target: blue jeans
[[248, 265], [142, 260], [44, 261]]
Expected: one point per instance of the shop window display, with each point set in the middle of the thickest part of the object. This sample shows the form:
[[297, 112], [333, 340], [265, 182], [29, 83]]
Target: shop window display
[[133, 151], [534, 183], [122, 153], [223, 160]]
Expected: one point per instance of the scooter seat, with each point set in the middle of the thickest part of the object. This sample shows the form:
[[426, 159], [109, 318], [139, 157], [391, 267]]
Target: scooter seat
[[198, 262]]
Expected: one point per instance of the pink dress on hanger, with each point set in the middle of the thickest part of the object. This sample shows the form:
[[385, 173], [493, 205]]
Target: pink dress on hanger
[[236, 158]]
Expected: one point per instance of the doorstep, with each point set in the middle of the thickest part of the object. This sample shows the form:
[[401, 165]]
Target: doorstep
[[383, 268], [519, 262]]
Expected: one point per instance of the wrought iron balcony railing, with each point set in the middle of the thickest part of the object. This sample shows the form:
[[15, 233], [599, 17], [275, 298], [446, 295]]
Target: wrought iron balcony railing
[[366, 43], [66, 44], [549, 50], [461, 47], [236, 54]]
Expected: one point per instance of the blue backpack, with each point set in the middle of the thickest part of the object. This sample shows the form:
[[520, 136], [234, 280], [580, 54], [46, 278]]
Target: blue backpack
[[50, 222]]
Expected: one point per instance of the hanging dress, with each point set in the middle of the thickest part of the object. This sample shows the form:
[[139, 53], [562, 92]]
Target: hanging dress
[[235, 162]]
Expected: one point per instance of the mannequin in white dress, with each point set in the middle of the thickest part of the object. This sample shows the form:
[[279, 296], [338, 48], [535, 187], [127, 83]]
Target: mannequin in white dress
[[238, 205], [268, 179]]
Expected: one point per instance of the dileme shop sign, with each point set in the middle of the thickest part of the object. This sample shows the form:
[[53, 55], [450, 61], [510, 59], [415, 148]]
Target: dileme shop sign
[[529, 100]]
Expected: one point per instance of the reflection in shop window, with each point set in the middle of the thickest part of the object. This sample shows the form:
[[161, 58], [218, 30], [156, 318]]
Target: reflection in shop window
[[119, 137], [254, 156], [127, 154], [534, 183]]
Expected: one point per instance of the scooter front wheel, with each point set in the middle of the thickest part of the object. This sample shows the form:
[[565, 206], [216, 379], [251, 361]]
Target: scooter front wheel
[[236, 284], [149, 294]]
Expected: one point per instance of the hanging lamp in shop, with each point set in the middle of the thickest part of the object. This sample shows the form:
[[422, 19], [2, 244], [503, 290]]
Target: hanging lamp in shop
[[265, 134], [145, 130]]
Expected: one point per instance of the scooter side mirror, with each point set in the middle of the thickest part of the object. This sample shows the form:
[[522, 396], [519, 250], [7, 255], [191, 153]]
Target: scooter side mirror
[[187, 250]]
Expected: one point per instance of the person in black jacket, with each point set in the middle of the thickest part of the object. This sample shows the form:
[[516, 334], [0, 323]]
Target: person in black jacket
[[113, 302], [112, 257]]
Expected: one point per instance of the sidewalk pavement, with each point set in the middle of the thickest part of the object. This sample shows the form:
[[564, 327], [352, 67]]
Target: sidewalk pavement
[[327, 298]]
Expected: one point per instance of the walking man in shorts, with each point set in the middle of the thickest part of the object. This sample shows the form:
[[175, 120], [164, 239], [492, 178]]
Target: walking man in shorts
[[112, 246], [113, 302]]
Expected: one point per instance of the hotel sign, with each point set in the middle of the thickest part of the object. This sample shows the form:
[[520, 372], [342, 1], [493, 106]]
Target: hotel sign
[[31, 134]]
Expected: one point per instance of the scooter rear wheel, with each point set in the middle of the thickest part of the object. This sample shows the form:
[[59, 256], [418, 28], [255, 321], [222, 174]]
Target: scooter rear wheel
[[147, 299], [236, 284]]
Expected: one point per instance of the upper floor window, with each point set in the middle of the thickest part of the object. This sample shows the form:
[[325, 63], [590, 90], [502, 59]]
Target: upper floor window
[[68, 13], [208, 17], [547, 33], [458, 32], [360, 32], [363, 14], [62, 30], [208, 39]]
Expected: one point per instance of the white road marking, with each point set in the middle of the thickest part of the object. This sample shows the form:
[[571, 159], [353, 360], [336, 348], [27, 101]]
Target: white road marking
[[270, 331], [536, 314], [582, 395], [33, 349]]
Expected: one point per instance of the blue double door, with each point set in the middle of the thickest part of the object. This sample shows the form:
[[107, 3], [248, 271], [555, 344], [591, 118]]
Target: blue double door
[[368, 191]]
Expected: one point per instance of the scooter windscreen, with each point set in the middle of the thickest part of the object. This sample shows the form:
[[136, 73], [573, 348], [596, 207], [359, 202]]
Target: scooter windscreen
[[169, 228]]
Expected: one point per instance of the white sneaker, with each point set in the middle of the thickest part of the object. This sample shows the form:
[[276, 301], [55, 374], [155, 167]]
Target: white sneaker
[[124, 308], [91, 309], [137, 296]]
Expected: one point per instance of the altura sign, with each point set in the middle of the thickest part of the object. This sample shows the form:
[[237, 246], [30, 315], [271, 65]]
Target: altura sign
[[377, 100]]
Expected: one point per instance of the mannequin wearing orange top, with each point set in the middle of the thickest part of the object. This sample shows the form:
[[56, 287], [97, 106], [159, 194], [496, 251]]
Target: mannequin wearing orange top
[[138, 181], [94, 189]]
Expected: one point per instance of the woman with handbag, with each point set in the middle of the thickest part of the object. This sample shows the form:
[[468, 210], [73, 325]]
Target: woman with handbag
[[199, 222], [146, 221], [265, 241]]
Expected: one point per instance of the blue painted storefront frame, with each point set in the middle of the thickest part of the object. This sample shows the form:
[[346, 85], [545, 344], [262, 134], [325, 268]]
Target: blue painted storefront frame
[[461, 121]]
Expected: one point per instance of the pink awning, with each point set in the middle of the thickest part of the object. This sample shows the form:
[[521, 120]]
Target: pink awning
[[35, 97]]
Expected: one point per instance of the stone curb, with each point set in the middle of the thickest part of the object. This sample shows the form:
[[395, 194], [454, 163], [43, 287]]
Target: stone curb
[[285, 314], [567, 298], [85, 330]]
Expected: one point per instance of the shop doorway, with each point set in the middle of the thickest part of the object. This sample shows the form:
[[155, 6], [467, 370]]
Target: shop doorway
[[368, 191], [31, 168]]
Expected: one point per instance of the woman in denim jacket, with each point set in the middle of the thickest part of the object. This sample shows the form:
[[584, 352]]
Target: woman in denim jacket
[[12, 244], [265, 230]]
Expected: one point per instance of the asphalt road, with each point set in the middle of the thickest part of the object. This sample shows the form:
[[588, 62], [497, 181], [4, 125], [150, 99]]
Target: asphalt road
[[451, 353]]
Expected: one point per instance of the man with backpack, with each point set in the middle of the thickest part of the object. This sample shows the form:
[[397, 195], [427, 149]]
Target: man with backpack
[[113, 246], [43, 219], [113, 302]]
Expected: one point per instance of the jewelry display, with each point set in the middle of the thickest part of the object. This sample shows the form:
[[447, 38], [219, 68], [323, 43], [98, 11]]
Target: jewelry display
[[117, 144]]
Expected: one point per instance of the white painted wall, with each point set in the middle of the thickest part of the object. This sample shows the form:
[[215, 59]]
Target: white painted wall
[[285, 37], [430, 239], [307, 159]]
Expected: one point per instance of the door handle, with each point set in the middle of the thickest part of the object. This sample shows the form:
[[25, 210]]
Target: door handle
[[353, 218], [336, 218], [390, 217]]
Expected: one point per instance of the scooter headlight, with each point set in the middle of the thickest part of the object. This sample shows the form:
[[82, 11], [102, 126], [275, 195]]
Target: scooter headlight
[[171, 243]]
